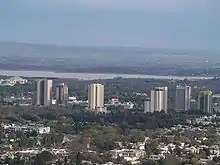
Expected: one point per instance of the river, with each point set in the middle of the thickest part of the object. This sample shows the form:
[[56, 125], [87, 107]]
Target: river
[[92, 76]]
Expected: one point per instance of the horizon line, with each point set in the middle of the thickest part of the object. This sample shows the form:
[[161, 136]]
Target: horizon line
[[109, 46]]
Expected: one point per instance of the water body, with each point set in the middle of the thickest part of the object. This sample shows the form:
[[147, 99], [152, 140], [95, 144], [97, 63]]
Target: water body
[[93, 76]]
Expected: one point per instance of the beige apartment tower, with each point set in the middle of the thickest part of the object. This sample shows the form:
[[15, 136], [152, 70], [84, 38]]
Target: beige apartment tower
[[159, 99], [96, 96], [62, 94], [44, 92]]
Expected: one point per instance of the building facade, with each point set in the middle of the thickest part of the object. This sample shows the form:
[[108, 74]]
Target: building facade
[[147, 106], [62, 94], [205, 102], [44, 92], [171, 94], [159, 99], [183, 98], [96, 96]]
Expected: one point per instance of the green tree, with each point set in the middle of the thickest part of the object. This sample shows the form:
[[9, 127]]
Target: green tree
[[151, 147], [171, 160], [78, 158], [16, 161], [216, 159], [43, 158], [149, 162]]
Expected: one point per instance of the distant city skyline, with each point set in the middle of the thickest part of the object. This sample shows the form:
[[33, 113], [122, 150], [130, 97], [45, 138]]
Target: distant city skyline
[[183, 24]]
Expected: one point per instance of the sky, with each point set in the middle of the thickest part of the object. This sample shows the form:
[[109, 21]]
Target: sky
[[182, 24]]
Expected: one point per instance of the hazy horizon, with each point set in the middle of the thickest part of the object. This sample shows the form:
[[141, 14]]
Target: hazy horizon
[[170, 24]]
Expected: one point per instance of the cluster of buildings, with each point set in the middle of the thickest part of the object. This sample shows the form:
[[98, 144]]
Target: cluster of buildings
[[28, 154], [22, 101], [12, 81], [12, 127], [95, 96], [182, 100], [157, 102], [193, 141], [44, 95], [115, 102]]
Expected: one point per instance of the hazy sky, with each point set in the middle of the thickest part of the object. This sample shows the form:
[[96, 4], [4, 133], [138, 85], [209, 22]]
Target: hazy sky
[[143, 23]]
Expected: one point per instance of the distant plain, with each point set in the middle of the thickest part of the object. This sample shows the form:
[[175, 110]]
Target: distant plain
[[115, 60]]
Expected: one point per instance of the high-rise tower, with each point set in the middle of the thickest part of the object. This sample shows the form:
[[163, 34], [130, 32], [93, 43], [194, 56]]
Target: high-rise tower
[[96, 96], [62, 93], [44, 92], [205, 101], [159, 99], [183, 98]]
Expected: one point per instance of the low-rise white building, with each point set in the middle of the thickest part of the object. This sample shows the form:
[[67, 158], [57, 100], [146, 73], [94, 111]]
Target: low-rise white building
[[157, 157], [131, 155], [43, 130]]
